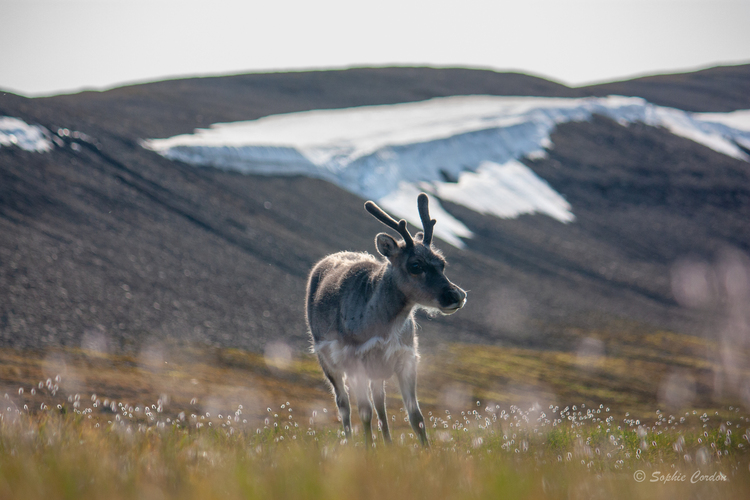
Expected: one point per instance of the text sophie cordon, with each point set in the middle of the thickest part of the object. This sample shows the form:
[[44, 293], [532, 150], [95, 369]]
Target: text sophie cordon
[[679, 477]]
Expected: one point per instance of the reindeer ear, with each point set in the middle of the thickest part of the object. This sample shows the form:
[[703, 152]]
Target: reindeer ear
[[386, 244]]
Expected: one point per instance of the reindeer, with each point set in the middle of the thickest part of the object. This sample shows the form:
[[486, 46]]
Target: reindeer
[[360, 313]]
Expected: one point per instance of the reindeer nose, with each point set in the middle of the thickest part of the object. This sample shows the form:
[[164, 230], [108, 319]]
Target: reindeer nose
[[463, 298], [453, 297]]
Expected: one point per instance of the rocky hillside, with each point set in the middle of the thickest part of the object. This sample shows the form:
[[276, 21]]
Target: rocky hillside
[[105, 242]]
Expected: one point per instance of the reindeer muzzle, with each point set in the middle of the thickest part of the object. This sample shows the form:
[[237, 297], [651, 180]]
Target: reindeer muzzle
[[454, 298]]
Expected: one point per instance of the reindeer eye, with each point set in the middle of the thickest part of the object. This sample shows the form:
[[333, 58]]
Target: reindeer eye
[[415, 268]]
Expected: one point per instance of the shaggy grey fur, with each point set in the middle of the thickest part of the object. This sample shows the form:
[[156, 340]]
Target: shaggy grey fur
[[360, 313]]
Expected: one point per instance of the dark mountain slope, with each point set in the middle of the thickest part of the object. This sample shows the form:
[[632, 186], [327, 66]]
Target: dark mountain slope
[[644, 199], [720, 89], [163, 109], [98, 247], [107, 239]]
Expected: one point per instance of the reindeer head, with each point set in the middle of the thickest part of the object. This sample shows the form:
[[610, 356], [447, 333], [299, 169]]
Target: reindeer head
[[419, 269]]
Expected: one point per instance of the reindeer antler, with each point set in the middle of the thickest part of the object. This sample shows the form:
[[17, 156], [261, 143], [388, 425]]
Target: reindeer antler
[[389, 221], [423, 202]]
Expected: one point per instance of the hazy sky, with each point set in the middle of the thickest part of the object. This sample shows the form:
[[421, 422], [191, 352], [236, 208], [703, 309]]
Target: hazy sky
[[54, 46]]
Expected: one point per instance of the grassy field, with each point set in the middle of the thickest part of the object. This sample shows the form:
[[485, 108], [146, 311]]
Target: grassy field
[[196, 422]]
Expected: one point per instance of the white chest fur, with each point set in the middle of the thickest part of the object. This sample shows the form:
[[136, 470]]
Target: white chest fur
[[377, 357]]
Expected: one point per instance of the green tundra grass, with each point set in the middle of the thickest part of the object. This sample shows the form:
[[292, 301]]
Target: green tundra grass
[[189, 422]]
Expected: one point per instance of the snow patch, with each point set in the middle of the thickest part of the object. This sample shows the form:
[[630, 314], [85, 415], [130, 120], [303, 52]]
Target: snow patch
[[403, 202], [739, 119], [16, 132], [462, 148], [506, 191], [733, 121]]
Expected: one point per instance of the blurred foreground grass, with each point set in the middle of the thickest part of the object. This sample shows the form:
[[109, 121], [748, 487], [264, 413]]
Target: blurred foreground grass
[[485, 453], [196, 422]]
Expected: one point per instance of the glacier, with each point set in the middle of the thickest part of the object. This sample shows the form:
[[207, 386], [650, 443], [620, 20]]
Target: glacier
[[16, 132], [462, 149]]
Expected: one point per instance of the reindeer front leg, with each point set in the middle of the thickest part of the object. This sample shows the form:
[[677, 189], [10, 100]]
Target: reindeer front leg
[[378, 398], [341, 396], [407, 381], [361, 388]]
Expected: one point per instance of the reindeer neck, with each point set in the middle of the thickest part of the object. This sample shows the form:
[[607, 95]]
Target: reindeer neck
[[393, 305]]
